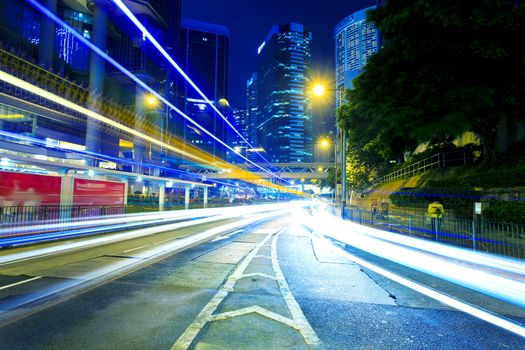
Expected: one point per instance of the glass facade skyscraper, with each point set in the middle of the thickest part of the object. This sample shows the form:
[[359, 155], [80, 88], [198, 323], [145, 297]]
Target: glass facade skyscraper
[[206, 54], [252, 112], [284, 111], [356, 40]]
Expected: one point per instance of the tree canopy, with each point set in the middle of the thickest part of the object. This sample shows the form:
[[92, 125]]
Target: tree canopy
[[446, 67]]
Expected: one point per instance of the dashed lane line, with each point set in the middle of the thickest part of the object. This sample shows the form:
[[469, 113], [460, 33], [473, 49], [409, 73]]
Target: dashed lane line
[[226, 236], [20, 282], [130, 250]]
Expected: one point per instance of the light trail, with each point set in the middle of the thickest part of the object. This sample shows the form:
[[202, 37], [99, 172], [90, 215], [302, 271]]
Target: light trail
[[221, 214], [8, 78], [146, 87], [164, 53], [105, 157], [138, 217], [443, 298], [445, 267], [123, 266], [100, 156], [202, 157], [450, 266]]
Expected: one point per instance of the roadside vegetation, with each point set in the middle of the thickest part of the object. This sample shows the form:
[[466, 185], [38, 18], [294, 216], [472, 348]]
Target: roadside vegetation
[[444, 68]]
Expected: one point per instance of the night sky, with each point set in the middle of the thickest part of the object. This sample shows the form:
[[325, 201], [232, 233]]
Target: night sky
[[250, 20]]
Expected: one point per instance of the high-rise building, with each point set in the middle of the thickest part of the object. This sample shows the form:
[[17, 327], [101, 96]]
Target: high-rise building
[[356, 39], [284, 111], [52, 52], [252, 111], [206, 50], [241, 122]]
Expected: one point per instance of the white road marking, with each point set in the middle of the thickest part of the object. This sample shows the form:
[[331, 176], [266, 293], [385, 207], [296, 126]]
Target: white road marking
[[263, 256], [130, 250], [20, 282], [227, 236], [258, 310], [434, 294], [206, 315], [258, 274], [297, 314]]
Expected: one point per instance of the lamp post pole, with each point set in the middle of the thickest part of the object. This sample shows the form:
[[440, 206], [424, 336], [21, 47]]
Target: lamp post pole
[[343, 172]]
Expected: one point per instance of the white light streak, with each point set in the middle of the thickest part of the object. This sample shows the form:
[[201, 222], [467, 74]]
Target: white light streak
[[474, 274], [445, 299]]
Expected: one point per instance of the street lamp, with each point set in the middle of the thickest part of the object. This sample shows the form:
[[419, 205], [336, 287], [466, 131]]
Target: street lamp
[[318, 90], [324, 143], [151, 101]]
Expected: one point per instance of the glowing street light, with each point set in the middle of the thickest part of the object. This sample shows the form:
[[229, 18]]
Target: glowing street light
[[324, 143], [224, 102], [151, 101], [318, 90]]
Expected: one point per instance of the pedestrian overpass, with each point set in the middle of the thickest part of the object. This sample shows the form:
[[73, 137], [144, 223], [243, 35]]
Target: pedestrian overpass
[[290, 171]]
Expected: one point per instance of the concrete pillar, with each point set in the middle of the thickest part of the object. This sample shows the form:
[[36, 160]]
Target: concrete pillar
[[126, 189], [162, 196], [205, 197], [96, 78], [46, 47], [187, 197], [66, 197]]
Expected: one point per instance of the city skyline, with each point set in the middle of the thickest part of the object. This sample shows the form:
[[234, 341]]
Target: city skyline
[[249, 22], [284, 112]]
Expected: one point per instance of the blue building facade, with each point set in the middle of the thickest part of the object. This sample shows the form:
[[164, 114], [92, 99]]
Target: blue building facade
[[206, 59], [356, 40], [284, 111]]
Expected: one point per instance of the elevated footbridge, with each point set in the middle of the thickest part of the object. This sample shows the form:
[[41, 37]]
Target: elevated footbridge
[[283, 170]]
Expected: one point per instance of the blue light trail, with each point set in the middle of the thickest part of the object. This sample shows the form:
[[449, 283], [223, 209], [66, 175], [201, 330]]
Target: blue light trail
[[146, 87], [159, 47], [499, 277]]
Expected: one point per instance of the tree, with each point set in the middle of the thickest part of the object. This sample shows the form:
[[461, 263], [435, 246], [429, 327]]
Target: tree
[[446, 67]]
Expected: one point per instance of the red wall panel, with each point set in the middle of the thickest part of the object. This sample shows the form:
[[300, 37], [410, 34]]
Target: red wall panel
[[20, 189], [95, 192]]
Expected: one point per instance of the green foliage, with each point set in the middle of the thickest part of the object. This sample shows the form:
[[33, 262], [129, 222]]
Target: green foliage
[[485, 178], [459, 199], [357, 171], [446, 67], [500, 211]]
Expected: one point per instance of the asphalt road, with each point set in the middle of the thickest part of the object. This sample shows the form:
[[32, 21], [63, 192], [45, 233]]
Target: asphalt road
[[269, 285]]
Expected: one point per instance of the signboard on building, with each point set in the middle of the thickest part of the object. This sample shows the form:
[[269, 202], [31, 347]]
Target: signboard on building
[[27, 190], [96, 192]]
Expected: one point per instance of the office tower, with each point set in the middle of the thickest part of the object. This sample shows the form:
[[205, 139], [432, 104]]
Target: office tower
[[356, 40], [284, 119], [241, 123], [252, 111], [61, 63], [206, 50]]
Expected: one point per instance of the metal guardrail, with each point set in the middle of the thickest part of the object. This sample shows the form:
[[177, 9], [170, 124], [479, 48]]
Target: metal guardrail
[[16, 216], [439, 160], [491, 237]]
